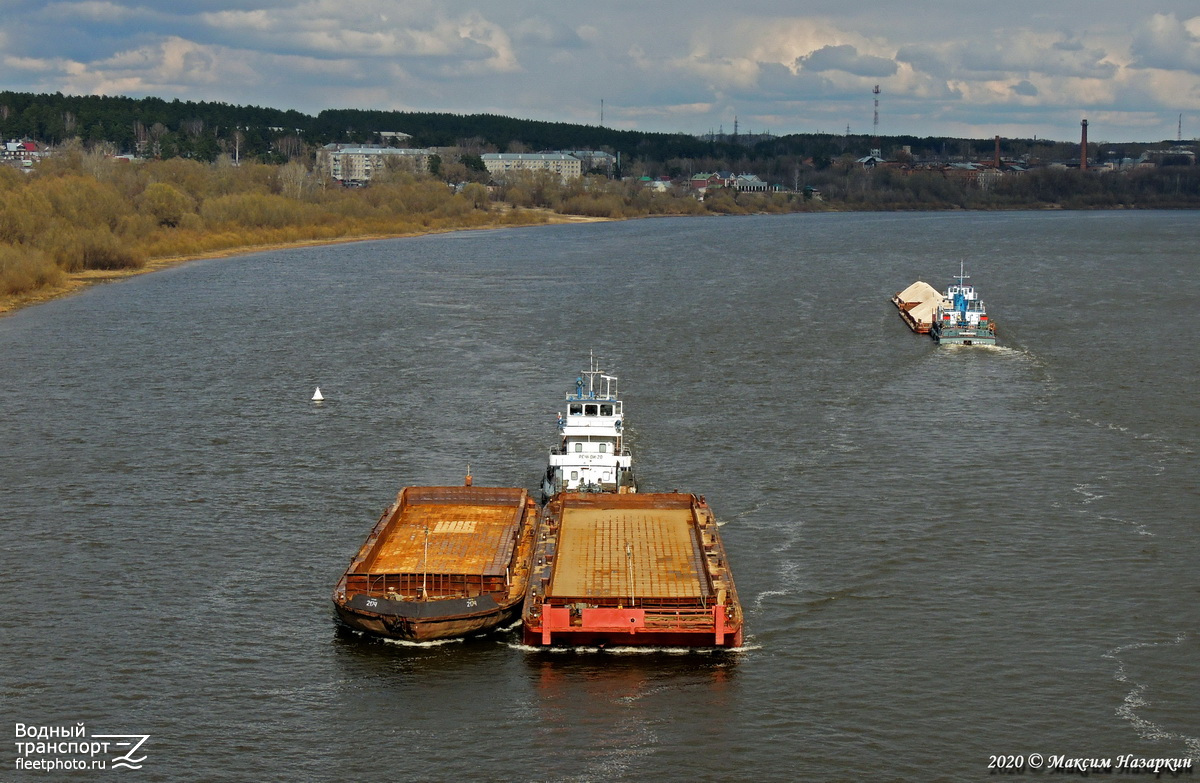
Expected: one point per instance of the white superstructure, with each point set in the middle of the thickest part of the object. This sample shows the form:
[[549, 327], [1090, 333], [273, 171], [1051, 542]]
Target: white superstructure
[[961, 316], [591, 455]]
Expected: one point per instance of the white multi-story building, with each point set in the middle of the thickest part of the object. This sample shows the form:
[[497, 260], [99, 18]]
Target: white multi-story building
[[565, 166], [594, 159], [359, 164]]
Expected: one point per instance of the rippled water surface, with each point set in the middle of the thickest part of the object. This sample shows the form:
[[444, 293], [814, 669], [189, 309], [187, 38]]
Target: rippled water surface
[[945, 553]]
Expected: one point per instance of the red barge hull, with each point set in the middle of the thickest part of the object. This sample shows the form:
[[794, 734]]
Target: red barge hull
[[620, 570]]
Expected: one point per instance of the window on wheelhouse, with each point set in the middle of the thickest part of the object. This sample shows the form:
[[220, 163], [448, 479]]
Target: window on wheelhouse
[[590, 410], [603, 448], [578, 447], [606, 410], [576, 409]]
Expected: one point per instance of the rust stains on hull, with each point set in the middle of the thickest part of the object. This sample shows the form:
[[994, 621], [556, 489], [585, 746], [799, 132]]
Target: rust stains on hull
[[441, 562]]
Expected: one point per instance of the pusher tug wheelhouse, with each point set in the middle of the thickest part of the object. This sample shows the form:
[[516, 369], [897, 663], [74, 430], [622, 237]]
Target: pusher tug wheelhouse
[[591, 455], [961, 317]]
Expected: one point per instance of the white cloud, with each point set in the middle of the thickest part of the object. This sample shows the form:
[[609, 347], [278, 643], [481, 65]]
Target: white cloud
[[1163, 42], [847, 58], [91, 10], [662, 66]]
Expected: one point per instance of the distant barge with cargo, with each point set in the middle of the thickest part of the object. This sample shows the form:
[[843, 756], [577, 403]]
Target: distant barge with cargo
[[441, 562], [917, 305], [957, 317]]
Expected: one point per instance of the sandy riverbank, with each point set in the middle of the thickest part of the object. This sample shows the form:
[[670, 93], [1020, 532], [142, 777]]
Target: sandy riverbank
[[78, 281]]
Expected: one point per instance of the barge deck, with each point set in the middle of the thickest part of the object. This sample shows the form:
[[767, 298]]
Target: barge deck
[[630, 570], [441, 562]]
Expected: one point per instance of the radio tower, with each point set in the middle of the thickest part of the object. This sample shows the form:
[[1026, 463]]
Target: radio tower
[[875, 137]]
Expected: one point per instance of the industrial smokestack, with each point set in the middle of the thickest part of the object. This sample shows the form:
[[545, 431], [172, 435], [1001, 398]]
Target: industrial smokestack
[[997, 153], [1083, 147]]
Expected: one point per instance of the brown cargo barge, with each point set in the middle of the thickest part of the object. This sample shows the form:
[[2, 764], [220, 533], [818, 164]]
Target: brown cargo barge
[[630, 570], [441, 562]]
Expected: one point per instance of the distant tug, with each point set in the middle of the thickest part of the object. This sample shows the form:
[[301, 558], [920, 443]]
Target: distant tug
[[591, 455], [961, 317], [957, 317]]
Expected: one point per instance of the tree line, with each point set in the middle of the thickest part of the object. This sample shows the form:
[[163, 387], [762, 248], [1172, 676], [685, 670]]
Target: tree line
[[216, 181], [83, 210], [204, 130]]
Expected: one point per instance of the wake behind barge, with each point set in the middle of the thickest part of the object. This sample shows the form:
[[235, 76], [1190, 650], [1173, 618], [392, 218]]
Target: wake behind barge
[[441, 562], [630, 570]]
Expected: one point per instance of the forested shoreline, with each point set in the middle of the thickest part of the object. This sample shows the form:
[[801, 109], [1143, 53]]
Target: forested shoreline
[[82, 211]]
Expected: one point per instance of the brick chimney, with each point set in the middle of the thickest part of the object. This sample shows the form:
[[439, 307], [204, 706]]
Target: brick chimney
[[1083, 147]]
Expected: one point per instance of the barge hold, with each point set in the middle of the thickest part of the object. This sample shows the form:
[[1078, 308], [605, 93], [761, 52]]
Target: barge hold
[[441, 562], [918, 305], [630, 570]]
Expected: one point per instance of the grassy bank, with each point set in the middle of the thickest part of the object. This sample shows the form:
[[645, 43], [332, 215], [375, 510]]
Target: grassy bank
[[82, 218]]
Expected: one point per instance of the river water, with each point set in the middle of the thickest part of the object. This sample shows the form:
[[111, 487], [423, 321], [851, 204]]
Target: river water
[[946, 554]]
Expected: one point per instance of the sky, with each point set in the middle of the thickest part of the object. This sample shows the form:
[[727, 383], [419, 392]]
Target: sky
[[960, 68]]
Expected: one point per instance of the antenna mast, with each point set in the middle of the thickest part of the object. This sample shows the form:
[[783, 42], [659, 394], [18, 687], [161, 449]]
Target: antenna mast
[[876, 134]]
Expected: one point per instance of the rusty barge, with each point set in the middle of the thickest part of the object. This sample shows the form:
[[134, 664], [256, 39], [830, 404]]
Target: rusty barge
[[441, 562], [615, 570]]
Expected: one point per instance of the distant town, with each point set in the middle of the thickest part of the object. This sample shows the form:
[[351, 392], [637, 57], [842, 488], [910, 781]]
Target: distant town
[[352, 148]]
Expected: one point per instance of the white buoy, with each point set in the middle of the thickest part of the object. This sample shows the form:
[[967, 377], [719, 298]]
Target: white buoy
[[317, 395]]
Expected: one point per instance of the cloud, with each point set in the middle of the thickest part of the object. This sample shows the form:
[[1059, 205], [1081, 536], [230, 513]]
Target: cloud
[[1026, 88], [90, 11], [1162, 41], [1013, 55], [467, 44], [544, 32], [662, 66], [846, 58]]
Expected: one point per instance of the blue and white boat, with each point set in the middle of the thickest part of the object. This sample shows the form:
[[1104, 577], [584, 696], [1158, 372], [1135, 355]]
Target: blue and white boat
[[961, 318], [591, 455]]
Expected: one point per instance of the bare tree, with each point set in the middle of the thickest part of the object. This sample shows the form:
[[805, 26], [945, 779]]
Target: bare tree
[[293, 179]]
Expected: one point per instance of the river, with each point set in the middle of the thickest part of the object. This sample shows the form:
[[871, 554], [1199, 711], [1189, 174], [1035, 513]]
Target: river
[[946, 554]]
